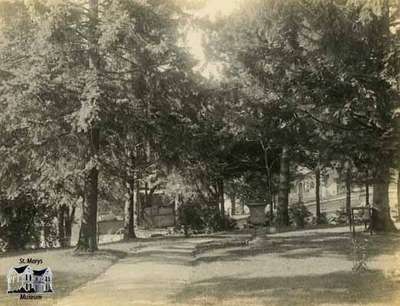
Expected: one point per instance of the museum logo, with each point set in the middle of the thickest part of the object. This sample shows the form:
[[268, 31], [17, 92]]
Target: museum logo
[[28, 282]]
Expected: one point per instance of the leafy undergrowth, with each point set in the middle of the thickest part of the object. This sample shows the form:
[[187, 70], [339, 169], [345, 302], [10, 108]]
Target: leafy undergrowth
[[70, 271]]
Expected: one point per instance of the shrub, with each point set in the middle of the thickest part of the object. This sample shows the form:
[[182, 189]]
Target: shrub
[[197, 218], [340, 218], [322, 220], [189, 218], [298, 214], [22, 221]]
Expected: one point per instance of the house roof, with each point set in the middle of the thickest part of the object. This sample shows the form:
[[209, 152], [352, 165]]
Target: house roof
[[21, 269], [39, 272]]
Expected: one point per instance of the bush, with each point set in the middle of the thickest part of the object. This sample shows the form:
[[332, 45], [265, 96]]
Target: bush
[[322, 220], [22, 223], [189, 218], [197, 218], [340, 218], [298, 214], [214, 222]]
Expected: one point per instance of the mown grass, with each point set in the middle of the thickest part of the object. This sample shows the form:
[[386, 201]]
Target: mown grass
[[70, 271]]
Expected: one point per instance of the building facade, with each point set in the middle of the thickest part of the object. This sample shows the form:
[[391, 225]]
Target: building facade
[[333, 193]]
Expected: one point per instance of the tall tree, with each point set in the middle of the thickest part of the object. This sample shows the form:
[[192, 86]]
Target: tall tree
[[88, 231]]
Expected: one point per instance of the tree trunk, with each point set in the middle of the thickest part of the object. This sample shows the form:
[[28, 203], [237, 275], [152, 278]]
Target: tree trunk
[[366, 194], [222, 201], [233, 204], [88, 232], [382, 222], [145, 204], [317, 194], [176, 201], [271, 211], [129, 223], [61, 225], [222, 197], [69, 220], [269, 194], [138, 203], [215, 198], [283, 197], [398, 195], [348, 190]]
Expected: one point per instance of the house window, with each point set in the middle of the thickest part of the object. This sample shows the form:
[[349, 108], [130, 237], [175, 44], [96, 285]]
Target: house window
[[30, 277], [26, 276]]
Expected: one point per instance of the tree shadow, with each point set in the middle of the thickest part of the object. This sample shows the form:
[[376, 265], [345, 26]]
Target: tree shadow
[[335, 288], [305, 246], [161, 256]]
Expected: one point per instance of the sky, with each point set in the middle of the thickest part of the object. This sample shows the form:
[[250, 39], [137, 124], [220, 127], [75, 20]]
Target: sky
[[212, 9]]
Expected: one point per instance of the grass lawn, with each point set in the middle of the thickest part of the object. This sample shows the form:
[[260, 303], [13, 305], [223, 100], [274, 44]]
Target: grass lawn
[[307, 267], [312, 267], [70, 271]]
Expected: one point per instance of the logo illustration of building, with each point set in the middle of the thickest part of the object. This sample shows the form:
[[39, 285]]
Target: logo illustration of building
[[26, 280]]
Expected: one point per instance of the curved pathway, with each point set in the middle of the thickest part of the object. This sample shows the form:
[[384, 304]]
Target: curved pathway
[[149, 275], [295, 268]]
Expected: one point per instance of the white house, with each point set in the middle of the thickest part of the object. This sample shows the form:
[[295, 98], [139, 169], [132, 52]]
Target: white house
[[42, 280], [333, 192], [25, 279]]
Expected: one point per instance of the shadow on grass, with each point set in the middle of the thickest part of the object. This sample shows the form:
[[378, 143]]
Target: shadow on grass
[[306, 246], [110, 254], [161, 256], [335, 288]]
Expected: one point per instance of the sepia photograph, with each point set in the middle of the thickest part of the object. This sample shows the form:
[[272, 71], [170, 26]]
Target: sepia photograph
[[200, 152]]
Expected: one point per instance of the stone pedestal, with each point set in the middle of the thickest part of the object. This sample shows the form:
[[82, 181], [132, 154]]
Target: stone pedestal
[[257, 213], [257, 217]]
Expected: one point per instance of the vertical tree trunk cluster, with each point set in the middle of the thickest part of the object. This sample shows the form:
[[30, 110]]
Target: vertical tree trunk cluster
[[283, 197]]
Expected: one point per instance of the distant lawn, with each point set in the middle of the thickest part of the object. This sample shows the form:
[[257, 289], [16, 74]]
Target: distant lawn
[[70, 271]]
